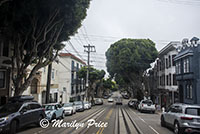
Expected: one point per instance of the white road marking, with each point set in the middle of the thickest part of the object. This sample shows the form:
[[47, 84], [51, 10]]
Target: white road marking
[[142, 119], [153, 129]]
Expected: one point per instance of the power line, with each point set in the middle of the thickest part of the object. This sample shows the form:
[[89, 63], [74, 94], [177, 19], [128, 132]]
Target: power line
[[75, 50]]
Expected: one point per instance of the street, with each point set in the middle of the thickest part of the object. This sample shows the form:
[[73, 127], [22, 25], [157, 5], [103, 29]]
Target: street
[[110, 119]]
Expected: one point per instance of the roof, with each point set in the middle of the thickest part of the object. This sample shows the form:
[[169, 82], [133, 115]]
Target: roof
[[185, 52], [72, 56], [169, 47], [194, 39]]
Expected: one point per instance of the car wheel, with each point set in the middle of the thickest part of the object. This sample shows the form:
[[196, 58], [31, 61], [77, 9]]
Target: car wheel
[[63, 115], [39, 119], [177, 129], [162, 122], [13, 127], [53, 117]]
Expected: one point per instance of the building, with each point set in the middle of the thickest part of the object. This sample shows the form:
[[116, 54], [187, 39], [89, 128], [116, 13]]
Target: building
[[75, 86], [188, 71], [5, 71], [65, 85], [167, 84]]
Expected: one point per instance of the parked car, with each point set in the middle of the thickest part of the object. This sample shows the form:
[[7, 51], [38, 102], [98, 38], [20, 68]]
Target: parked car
[[98, 101], [20, 111], [133, 103], [106, 96], [79, 106], [147, 105], [110, 99], [87, 105], [182, 118], [126, 96], [119, 101], [54, 111], [69, 108]]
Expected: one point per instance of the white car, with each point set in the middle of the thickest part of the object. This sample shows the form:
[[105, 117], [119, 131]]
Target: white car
[[69, 108], [146, 105], [54, 111], [110, 99], [87, 105]]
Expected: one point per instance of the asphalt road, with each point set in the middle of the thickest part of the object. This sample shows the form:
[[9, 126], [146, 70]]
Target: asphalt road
[[108, 118]]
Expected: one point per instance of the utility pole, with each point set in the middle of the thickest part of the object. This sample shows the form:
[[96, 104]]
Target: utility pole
[[88, 49], [48, 83]]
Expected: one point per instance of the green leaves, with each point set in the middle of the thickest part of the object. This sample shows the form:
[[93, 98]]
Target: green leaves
[[130, 56]]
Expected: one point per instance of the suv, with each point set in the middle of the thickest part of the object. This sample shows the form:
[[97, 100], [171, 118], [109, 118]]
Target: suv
[[18, 112], [146, 105], [182, 118]]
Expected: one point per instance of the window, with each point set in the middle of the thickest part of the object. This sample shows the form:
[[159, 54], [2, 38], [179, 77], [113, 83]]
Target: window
[[72, 78], [174, 80], [178, 67], [55, 97], [72, 89], [170, 79], [5, 50], [53, 74], [193, 111], [34, 85], [173, 62], [186, 65], [34, 106], [166, 63], [160, 81], [77, 66], [2, 79], [169, 60], [189, 91], [72, 65], [167, 80]]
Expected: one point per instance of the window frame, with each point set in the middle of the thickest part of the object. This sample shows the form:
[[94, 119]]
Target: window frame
[[5, 79]]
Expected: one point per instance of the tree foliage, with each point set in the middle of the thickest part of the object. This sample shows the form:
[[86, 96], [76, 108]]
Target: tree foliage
[[95, 77], [127, 59], [35, 30], [94, 74]]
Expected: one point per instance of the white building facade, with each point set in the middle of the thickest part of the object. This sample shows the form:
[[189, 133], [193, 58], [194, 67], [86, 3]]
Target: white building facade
[[65, 85]]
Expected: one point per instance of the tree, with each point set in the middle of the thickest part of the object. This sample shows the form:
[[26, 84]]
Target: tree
[[109, 85], [35, 29], [127, 59], [95, 76]]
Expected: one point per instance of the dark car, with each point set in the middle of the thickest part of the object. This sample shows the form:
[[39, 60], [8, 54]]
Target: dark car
[[133, 103], [119, 101], [19, 112]]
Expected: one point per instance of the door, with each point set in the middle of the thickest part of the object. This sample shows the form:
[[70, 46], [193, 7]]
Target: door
[[26, 116], [35, 109]]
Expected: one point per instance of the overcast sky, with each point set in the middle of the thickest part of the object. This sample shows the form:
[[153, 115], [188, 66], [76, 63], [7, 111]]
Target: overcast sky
[[161, 21]]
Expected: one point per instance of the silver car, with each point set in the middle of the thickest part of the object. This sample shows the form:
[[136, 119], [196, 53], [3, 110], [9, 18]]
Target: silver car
[[182, 118]]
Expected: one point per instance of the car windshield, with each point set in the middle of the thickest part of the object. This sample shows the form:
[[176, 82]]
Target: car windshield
[[49, 107], [68, 105], [193, 111], [147, 102], [10, 108], [78, 103]]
